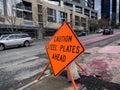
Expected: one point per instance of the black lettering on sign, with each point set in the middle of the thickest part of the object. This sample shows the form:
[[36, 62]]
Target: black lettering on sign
[[52, 47], [77, 49], [59, 57], [63, 38], [70, 48], [73, 49], [62, 48]]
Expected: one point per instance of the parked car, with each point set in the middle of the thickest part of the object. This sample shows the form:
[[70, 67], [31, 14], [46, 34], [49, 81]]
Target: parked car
[[81, 33], [12, 40], [108, 31], [100, 31]]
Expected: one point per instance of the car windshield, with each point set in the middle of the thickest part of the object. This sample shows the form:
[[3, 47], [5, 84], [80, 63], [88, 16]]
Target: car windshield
[[3, 37]]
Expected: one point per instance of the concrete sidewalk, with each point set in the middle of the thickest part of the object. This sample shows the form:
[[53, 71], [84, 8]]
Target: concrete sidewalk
[[53, 83]]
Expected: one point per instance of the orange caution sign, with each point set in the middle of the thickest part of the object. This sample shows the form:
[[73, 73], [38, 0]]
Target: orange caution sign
[[63, 48]]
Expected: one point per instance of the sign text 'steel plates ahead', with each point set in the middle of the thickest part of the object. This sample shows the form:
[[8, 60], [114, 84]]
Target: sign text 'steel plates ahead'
[[63, 48]]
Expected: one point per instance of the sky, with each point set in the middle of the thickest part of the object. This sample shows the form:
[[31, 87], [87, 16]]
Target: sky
[[98, 7]]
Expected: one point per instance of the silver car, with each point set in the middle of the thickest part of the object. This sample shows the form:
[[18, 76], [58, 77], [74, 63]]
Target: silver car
[[12, 40]]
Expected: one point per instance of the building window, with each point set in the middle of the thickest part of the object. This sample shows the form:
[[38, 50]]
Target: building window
[[62, 16], [96, 15], [24, 5], [92, 15], [20, 5], [86, 12], [27, 5], [51, 15], [78, 9], [77, 20], [68, 5], [27, 15], [83, 22], [19, 14]]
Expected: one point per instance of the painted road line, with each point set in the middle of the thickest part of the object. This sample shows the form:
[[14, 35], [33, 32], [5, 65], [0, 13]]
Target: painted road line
[[31, 83], [21, 61]]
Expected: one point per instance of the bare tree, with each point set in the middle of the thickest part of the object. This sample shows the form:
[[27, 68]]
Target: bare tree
[[103, 23], [39, 20], [11, 18], [93, 24]]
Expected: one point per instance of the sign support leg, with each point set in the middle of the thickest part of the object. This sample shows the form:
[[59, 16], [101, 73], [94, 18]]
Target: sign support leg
[[45, 68], [81, 67], [71, 76]]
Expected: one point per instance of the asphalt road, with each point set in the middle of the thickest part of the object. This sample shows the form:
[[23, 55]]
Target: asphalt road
[[38, 47], [18, 64]]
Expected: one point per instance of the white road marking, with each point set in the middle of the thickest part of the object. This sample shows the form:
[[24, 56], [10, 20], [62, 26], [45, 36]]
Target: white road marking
[[31, 83]]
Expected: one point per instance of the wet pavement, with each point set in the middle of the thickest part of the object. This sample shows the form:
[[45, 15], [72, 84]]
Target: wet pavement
[[101, 61], [96, 61], [20, 66]]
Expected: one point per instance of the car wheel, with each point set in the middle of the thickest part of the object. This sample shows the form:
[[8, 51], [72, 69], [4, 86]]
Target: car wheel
[[2, 47], [26, 43]]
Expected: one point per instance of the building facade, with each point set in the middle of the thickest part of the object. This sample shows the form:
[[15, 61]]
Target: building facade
[[56, 15], [88, 3], [37, 16], [110, 9], [1, 7], [11, 21], [85, 7]]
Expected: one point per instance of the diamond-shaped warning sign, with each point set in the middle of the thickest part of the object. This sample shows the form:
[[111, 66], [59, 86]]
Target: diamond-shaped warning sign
[[63, 48]]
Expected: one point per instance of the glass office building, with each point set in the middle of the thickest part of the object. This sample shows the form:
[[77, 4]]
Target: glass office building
[[110, 9]]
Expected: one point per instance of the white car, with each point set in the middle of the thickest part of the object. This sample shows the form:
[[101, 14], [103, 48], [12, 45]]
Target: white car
[[12, 40], [100, 31]]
